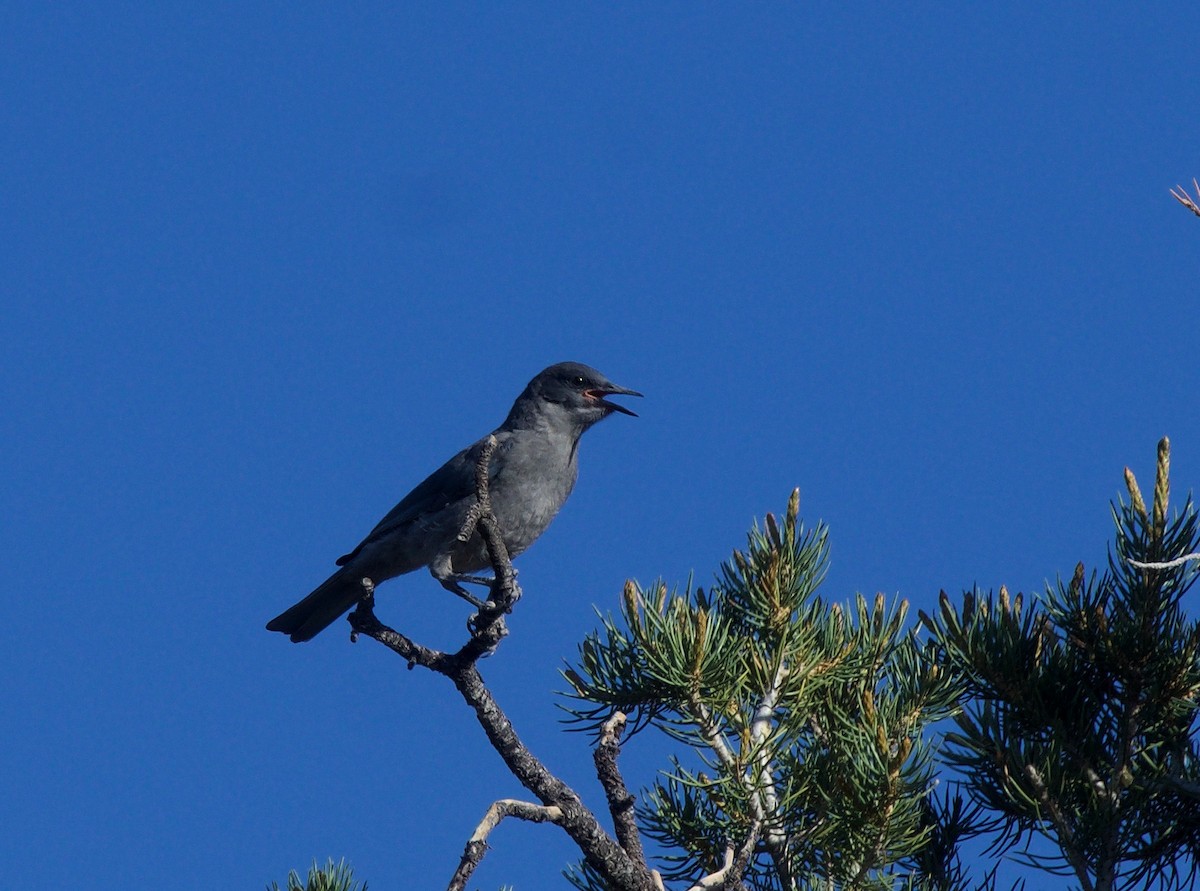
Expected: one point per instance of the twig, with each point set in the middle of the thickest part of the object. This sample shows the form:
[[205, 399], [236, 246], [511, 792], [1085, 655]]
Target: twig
[[742, 860], [364, 621], [477, 844], [620, 802], [487, 626], [716, 879], [1066, 836], [732, 866], [1170, 564], [1185, 199]]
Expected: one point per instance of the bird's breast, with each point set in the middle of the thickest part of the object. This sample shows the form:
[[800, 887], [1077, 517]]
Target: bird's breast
[[527, 501]]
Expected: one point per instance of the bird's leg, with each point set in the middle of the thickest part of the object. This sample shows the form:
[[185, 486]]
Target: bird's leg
[[486, 580], [442, 569], [365, 605], [451, 584]]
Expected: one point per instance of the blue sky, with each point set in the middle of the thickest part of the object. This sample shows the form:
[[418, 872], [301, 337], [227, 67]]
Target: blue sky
[[264, 266]]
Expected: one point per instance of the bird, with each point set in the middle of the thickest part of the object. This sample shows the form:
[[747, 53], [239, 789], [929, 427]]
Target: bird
[[532, 471]]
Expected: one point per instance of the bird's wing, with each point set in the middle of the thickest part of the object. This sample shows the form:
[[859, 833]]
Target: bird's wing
[[454, 481]]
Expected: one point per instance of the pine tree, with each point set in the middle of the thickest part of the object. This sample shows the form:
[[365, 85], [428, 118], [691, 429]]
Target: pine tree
[[1081, 716], [808, 763], [827, 745], [330, 877]]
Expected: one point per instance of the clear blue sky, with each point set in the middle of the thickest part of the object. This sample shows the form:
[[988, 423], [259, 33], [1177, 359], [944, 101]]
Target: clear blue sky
[[264, 266]]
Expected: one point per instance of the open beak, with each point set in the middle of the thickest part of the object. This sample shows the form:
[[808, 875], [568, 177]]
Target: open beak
[[598, 394]]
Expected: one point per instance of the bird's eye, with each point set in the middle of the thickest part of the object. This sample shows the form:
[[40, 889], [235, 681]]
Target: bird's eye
[[580, 381]]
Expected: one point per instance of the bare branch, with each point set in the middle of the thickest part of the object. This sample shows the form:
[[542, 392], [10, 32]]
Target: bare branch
[[1185, 199], [487, 626], [733, 865], [1170, 564], [742, 860], [483, 500], [599, 849], [716, 879], [363, 621], [477, 844], [620, 802]]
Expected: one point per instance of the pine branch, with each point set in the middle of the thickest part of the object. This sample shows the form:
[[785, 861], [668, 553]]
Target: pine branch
[[1086, 708]]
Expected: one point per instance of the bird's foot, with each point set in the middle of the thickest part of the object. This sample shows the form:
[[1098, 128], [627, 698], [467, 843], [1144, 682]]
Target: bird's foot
[[485, 621]]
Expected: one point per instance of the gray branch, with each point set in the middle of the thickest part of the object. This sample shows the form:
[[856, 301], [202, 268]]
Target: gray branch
[[620, 802], [608, 858], [477, 844]]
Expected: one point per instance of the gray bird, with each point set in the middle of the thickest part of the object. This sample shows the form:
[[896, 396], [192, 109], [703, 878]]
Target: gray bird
[[531, 473]]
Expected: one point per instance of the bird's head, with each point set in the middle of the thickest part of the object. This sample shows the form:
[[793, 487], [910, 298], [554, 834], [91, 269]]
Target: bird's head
[[574, 390]]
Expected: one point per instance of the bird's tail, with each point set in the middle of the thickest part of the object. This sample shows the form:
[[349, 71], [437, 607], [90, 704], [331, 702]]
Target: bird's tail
[[321, 608]]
